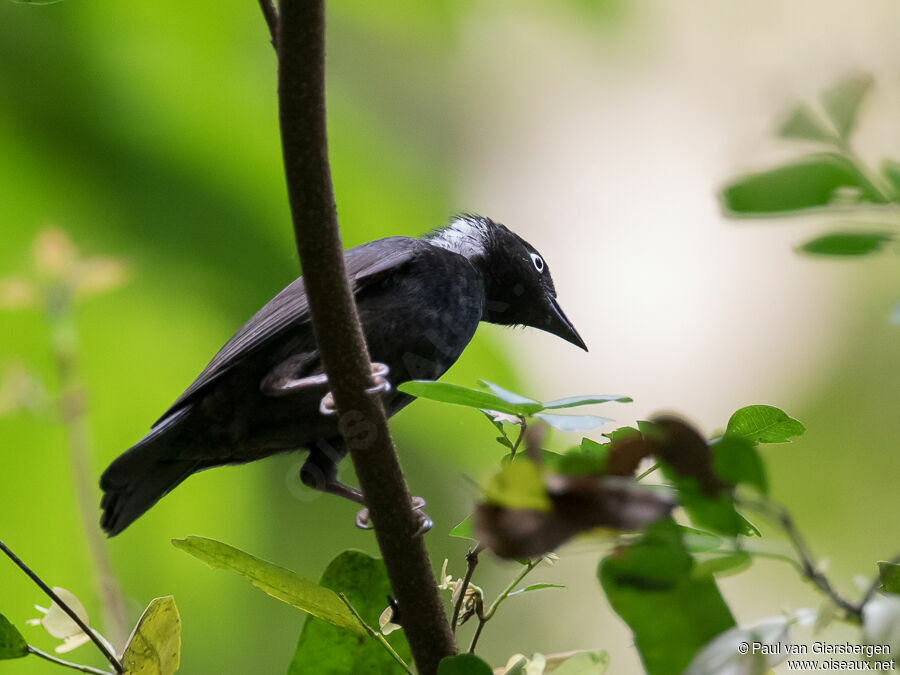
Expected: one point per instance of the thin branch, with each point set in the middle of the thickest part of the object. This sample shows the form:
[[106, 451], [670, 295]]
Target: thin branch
[[488, 615], [66, 664], [375, 634], [271, 16], [808, 568], [471, 563], [114, 662], [648, 471], [477, 635], [523, 425], [362, 421]]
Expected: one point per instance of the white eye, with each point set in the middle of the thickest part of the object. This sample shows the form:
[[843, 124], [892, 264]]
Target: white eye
[[538, 262]]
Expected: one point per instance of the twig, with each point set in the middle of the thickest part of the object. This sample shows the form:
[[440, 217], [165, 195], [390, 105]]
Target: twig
[[374, 633], [523, 425], [471, 563], [488, 615], [67, 664], [271, 16], [477, 635], [114, 662], [648, 471], [362, 421], [807, 562]]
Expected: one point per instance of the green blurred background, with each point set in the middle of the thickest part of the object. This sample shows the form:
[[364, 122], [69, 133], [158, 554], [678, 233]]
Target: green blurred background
[[598, 129]]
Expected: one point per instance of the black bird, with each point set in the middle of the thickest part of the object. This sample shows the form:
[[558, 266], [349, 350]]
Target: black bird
[[419, 300]]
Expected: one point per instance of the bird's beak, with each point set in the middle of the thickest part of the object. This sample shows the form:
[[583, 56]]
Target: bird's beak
[[560, 325]]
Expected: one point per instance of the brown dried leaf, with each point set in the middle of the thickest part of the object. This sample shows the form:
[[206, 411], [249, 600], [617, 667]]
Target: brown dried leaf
[[686, 452], [579, 504]]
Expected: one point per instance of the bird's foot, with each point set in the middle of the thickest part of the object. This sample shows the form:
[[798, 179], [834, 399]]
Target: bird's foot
[[380, 385], [425, 523]]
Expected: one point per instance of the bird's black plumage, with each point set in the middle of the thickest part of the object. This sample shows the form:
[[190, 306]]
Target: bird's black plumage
[[419, 302]]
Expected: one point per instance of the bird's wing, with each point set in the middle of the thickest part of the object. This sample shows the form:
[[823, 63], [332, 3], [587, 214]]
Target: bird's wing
[[365, 265]]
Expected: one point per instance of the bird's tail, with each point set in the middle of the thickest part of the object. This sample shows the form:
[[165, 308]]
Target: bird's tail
[[141, 476]]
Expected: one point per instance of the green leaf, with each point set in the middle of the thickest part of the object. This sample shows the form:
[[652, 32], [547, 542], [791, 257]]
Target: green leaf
[[154, 647], [621, 434], [573, 422], [463, 530], [12, 644], [518, 485], [507, 395], [890, 576], [535, 587], [325, 648], [700, 541], [581, 663], [842, 102], [847, 243], [649, 429], [463, 664], [575, 401], [801, 123], [586, 459], [672, 614], [473, 398], [278, 582], [736, 460], [812, 182], [549, 459], [724, 565], [764, 424], [716, 513], [890, 169], [748, 529]]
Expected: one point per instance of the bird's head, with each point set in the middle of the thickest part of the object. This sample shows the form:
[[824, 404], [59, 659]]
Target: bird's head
[[518, 287]]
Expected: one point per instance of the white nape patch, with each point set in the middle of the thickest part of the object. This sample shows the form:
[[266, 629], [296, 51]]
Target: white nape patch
[[465, 235]]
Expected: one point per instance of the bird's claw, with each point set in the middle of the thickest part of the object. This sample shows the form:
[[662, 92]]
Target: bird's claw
[[362, 519], [381, 385], [425, 523]]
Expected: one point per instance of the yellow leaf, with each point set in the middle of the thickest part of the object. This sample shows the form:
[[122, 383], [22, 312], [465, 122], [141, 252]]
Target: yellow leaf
[[154, 647]]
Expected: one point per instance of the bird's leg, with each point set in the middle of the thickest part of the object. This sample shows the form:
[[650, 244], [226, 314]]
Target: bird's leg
[[285, 378], [319, 472], [380, 385], [425, 523]]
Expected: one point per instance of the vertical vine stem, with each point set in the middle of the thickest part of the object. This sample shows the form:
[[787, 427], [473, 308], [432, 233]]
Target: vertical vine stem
[[72, 406], [301, 94], [114, 662]]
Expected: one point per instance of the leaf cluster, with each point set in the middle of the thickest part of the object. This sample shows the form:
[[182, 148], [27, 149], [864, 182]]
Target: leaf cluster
[[831, 180]]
